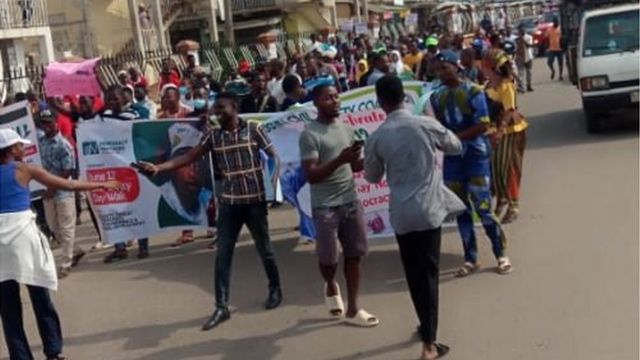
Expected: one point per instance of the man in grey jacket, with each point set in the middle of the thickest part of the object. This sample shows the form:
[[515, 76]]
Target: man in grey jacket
[[406, 147]]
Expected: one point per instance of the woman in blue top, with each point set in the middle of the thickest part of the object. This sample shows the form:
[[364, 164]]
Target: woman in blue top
[[25, 256]]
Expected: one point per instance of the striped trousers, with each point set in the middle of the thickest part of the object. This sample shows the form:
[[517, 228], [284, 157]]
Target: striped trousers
[[506, 167]]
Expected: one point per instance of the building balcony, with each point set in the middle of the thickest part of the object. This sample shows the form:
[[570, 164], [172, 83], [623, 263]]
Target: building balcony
[[20, 14], [254, 5]]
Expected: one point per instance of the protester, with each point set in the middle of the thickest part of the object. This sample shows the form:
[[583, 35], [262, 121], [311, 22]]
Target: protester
[[274, 86], [509, 136], [168, 74], [136, 78], [58, 158], [117, 108], [555, 51], [406, 147], [123, 77], [24, 257], [414, 57], [330, 155], [471, 71], [242, 201], [170, 106], [524, 57], [398, 67], [131, 102], [380, 68], [462, 108], [295, 92], [141, 99], [260, 100]]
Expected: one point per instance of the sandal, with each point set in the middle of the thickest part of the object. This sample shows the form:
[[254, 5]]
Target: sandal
[[182, 240], [467, 269], [504, 266], [511, 215], [334, 303], [362, 319], [442, 349]]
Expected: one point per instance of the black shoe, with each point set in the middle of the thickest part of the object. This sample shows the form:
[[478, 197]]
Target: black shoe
[[77, 257], [116, 255], [274, 299], [57, 357], [529, 89], [218, 317]]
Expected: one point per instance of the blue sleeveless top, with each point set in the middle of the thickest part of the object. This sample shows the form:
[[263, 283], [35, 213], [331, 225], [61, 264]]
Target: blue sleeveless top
[[13, 196]]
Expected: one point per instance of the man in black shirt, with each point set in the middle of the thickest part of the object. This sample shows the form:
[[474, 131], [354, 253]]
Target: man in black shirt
[[260, 101]]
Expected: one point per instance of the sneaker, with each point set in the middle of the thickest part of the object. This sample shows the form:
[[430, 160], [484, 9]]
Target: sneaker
[[116, 255], [305, 240]]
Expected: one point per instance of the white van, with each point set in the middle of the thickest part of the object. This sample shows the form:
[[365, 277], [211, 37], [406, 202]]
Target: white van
[[608, 61]]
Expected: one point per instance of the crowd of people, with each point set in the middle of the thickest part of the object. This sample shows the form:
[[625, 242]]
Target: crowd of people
[[471, 115]]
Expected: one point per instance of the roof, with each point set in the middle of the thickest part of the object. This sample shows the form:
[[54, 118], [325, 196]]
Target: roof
[[612, 9]]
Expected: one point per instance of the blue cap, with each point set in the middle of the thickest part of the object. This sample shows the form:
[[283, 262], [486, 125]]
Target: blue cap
[[450, 57]]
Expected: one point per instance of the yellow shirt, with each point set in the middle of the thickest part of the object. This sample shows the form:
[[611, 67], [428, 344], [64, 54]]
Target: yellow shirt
[[554, 39], [412, 60], [505, 94]]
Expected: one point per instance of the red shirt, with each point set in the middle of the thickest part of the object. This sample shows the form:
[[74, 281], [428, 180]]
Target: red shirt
[[171, 78], [66, 128], [141, 81]]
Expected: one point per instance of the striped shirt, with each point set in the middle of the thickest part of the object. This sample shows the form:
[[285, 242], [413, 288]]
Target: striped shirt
[[236, 156], [127, 114]]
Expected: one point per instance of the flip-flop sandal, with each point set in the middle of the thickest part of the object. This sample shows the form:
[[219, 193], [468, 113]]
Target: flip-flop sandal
[[334, 303], [504, 266], [467, 269], [362, 319]]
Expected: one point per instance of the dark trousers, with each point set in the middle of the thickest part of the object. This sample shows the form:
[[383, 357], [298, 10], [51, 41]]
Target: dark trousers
[[420, 253], [38, 208], [230, 221], [46, 317], [143, 245]]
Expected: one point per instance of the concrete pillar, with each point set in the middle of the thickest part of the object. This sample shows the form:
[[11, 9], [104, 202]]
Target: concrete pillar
[[229, 35], [159, 23], [365, 10], [356, 5], [135, 24], [18, 61], [213, 21], [45, 43]]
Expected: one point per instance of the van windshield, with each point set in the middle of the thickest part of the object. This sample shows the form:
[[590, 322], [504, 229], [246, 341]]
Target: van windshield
[[610, 34]]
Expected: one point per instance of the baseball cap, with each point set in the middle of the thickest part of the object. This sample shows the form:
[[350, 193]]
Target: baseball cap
[[432, 41], [449, 56], [47, 115], [8, 137]]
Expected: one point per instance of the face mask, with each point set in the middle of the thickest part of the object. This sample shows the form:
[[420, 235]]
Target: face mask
[[183, 90], [199, 104]]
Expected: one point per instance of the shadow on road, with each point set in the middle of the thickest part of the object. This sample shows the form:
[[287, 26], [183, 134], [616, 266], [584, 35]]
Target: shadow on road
[[566, 128]]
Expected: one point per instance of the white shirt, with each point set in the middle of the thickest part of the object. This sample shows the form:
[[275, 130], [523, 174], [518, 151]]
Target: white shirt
[[275, 89], [528, 52]]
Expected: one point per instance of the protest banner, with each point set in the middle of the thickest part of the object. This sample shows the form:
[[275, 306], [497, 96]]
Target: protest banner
[[361, 111], [144, 206], [18, 117], [72, 78]]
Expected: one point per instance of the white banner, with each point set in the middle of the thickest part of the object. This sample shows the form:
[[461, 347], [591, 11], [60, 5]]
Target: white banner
[[18, 117], [144, 206]]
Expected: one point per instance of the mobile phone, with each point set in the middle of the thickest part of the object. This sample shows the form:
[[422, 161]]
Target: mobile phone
[[139, 168]]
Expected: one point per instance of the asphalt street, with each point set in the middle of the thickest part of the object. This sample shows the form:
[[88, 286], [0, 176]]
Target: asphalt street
[[573, 293]]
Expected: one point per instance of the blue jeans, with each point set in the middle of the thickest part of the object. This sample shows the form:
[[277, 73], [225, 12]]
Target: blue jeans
[[552, 55], [46, 317], [230, 221], [143, 245]]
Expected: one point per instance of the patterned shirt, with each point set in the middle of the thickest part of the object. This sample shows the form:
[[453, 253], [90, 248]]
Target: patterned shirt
[[236, 156], [462, 108], [57, 157]]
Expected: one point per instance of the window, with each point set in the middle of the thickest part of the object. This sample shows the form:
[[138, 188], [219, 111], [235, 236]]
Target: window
[[610, 34]]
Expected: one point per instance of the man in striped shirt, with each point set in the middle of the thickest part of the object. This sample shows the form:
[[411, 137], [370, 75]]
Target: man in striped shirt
[[235, 149]]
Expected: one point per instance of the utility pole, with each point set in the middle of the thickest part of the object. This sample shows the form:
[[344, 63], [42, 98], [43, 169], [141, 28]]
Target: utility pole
[[229, 35]]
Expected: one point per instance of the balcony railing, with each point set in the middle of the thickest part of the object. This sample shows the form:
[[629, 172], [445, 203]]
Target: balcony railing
[[249, 5], [16, 14]]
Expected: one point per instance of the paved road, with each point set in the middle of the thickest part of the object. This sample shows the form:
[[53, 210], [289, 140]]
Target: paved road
[[573, 294]]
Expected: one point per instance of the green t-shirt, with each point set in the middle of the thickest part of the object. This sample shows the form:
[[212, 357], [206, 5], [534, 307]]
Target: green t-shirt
[[325, 142]]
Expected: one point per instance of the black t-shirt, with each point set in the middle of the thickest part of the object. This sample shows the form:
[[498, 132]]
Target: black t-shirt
[[261, 104]]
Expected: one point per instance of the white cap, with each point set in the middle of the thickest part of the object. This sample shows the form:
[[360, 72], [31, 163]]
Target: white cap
[[9, 137]]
